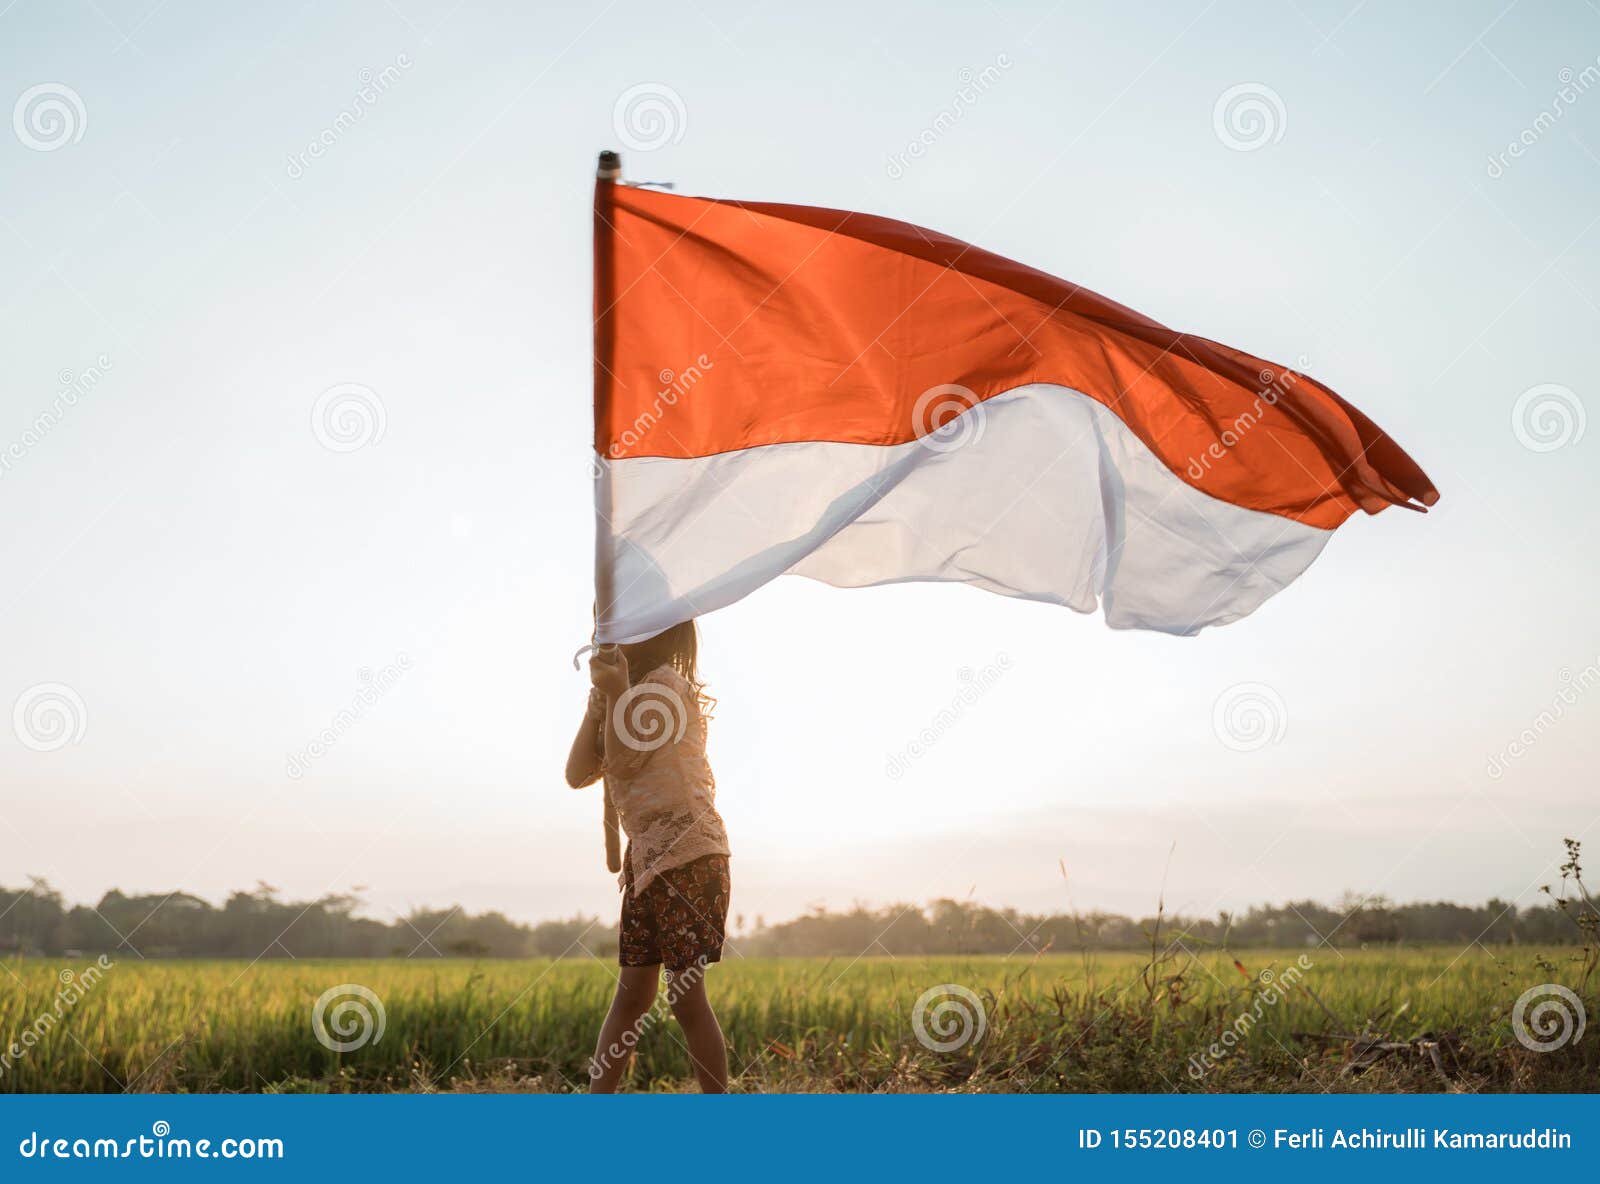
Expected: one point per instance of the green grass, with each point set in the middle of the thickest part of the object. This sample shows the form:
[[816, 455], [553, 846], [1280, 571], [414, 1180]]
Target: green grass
[[1058, 1022]]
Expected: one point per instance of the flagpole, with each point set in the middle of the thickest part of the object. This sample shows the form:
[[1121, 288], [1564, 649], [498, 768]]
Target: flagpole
[[607, 173]]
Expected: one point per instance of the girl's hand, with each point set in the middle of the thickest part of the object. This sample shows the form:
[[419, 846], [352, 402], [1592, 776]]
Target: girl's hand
[[608, 669]]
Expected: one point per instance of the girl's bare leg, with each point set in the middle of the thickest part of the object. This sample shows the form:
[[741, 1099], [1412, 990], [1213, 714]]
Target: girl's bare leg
[[636, 991], [687, 990]]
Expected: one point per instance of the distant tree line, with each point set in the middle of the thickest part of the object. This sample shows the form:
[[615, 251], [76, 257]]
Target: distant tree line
[[254, 924], [36, 921], [954, 927]]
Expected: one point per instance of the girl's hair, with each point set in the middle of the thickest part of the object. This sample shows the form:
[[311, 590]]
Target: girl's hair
[[677, 647]]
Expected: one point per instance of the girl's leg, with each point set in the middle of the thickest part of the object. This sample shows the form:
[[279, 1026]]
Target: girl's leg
[[636, 991], [687, 990]]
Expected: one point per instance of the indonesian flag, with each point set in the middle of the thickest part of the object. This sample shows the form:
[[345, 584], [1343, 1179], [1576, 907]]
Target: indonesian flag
[[835, 395]]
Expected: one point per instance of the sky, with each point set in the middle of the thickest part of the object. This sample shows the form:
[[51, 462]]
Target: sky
[[202, 567]]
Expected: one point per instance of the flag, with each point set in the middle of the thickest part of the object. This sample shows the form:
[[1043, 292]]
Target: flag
[[789, 389]]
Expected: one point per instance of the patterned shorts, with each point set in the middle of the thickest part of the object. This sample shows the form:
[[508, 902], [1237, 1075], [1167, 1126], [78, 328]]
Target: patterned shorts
[[679, 918]]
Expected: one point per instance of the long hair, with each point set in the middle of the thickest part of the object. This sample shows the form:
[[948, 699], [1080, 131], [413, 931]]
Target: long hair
[[677, 647]]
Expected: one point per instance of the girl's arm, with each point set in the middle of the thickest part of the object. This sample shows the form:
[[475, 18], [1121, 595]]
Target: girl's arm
[[609, 670], [621, 759], [583, 762]]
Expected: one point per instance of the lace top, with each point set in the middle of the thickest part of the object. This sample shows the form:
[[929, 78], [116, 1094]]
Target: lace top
[[661, 782]]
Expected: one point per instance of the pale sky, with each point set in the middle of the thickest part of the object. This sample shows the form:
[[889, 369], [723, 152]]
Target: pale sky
[[185, 555]]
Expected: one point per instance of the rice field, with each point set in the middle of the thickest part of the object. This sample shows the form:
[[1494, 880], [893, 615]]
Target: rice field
[[1424, 1019]]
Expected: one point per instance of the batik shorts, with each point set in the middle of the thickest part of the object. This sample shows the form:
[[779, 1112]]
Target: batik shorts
[[679, 919]]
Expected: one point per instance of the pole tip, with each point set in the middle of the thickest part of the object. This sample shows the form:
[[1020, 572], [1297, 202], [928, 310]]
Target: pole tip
[[610, 168]]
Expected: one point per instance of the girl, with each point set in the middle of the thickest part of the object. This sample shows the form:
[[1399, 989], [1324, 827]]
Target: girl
[[645, 733]]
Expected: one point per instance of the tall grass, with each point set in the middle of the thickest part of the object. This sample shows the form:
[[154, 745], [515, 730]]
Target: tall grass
[[1105, 1022]]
